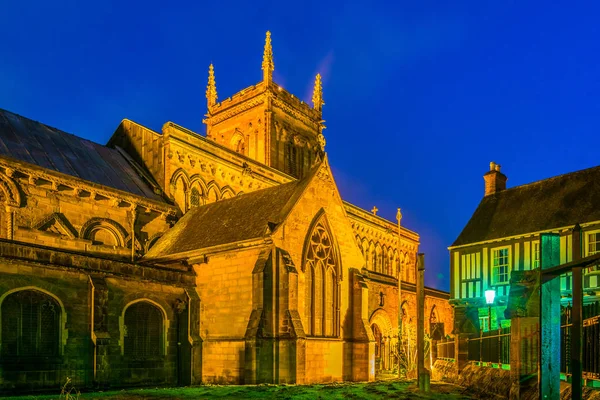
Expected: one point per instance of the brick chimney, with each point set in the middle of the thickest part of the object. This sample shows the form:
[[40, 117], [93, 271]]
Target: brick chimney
[[495, 181]]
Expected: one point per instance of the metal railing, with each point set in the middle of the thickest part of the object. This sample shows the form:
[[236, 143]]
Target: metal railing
[[445, 349], [591, 341], [490, 347]]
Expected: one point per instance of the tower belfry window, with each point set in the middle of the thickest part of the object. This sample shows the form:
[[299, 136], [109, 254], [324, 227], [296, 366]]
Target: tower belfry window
[[292, 159]]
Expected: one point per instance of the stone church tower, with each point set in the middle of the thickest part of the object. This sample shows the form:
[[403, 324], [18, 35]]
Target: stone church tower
[[177, 258], [267, 123]]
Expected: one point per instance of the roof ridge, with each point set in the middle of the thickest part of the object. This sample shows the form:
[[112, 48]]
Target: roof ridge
[[550, 179]]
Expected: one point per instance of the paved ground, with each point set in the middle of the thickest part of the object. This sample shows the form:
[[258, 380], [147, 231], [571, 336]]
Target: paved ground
[[375, 390]]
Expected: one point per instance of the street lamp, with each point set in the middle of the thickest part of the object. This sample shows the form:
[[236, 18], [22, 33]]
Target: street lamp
[[490, 295]]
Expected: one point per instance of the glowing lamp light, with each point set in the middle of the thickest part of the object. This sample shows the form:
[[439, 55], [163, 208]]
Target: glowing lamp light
[[490, 295]]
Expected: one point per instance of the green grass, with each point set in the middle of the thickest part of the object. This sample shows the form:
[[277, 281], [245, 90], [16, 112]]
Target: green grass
[[375, 390]]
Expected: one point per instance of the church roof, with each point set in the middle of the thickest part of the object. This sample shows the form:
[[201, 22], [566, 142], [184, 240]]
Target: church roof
[[248, 216], [557, 202], [35, 143]]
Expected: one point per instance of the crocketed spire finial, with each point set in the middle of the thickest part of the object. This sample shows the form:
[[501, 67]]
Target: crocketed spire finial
[[211, 88]]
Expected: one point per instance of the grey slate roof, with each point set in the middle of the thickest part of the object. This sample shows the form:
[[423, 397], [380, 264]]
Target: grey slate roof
[[556, 202], [47, 147], [232, 220]]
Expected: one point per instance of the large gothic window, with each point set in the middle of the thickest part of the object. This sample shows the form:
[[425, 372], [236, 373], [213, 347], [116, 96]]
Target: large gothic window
[[143, 331], [30, 325], [321, 284]]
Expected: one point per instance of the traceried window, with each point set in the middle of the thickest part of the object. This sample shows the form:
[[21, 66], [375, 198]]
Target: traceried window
[[194, 198], [500, 266], [30, 325], [143, 331], [322, 275]]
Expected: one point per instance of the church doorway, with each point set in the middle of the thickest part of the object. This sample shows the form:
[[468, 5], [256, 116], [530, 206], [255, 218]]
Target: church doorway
[[379, 349], [385, 349]]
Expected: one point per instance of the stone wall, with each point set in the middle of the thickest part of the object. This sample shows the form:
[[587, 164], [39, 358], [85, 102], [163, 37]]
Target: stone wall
[[91, 307], [225, 287]]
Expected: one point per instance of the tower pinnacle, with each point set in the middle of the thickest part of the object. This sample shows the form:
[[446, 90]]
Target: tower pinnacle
[[317, 97], [267, 65], [211, 88]]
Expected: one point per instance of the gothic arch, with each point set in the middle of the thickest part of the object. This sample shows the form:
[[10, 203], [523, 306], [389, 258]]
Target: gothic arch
[[137, 244], [238, 142], [94, 225], [165, 325], [213, 192], [196, 180], [152, 241], [227, 193], [365, 251], [382, 319], [371, 258], [10, 190], [179, 188], [377, 260], [321, 217], [321, 265], [434, 316], [180, 174], [63, 331]]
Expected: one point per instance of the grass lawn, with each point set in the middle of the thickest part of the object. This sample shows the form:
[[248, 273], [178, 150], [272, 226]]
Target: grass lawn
[[392, 389]]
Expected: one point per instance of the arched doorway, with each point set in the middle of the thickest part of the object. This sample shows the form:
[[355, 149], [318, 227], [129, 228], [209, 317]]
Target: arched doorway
[[379, 348], [384, 345]]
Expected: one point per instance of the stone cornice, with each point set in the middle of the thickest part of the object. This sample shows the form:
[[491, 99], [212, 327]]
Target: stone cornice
[[74, 186], [216, 152], [46, 257], [365, 217], [305, 119], [410, 287], [245, 105]]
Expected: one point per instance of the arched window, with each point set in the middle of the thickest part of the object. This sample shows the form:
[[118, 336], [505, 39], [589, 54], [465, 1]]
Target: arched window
[[143, 331], [292, 161], [194, 197], [436, 327], [321, 284], [30, 325]]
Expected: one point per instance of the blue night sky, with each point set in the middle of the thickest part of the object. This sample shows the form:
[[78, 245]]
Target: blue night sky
[[420, 96]]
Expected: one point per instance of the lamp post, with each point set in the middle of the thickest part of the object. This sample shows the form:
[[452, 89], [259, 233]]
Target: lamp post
[[490, 295], [399, 268]]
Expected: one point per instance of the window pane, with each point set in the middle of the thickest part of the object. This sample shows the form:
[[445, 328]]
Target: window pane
[[30, 325], [143, 331]]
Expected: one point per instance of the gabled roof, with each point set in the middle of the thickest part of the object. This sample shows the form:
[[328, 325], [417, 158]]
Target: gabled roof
[[35, 143], [249, 216], [557, 202]]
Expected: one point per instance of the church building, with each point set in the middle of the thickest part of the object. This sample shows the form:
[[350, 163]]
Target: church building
[[175, 258]]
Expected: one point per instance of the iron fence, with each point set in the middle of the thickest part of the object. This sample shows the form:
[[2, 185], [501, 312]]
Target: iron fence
[[491, 347], [591, 341], [445, 348]]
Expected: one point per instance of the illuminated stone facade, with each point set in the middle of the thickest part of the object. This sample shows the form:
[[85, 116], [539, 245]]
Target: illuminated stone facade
[[174, 258]]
